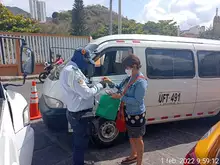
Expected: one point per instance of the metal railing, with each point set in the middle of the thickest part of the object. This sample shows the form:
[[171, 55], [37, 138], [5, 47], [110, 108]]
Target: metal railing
[[41, 44]]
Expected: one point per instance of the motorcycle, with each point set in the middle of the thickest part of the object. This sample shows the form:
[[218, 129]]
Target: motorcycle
[[43, 75]]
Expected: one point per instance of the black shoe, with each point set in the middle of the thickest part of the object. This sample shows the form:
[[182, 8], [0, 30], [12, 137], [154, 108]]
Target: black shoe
[[89, 162]]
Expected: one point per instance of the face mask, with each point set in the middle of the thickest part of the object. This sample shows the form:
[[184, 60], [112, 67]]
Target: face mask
[[128, 72]]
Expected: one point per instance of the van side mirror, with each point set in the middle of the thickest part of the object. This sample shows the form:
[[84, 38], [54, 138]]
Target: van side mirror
[[27, 60]]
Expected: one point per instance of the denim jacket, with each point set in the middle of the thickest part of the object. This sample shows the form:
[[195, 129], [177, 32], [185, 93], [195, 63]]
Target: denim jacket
[[134, 96]]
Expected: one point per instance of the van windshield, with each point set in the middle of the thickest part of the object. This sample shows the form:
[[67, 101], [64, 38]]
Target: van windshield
[[54, 74]]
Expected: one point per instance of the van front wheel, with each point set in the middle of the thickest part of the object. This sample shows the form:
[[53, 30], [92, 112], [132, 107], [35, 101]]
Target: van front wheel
[[106, 133]]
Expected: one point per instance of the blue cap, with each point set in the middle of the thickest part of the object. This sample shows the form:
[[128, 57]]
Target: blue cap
[[86, 54]]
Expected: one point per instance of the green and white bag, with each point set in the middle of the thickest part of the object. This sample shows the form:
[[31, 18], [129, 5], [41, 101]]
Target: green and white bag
[[108, 107]]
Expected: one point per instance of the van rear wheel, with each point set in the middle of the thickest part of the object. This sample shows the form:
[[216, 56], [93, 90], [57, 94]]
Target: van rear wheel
[[106, 134]]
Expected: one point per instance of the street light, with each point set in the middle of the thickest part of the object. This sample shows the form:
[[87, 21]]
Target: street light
[[110, 25], [119, 17], [178, 30]]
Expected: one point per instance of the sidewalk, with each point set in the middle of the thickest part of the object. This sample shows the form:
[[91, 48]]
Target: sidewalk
[[16, 78]]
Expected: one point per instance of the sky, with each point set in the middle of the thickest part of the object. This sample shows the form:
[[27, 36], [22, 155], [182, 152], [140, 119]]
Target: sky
[[186, 13]]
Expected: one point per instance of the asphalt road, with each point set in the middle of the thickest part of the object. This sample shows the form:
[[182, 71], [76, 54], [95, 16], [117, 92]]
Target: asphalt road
[[164, 143], [25, 90]]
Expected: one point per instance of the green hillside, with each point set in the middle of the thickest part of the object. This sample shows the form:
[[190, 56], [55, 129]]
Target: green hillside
[[97, 23], [16, 11]]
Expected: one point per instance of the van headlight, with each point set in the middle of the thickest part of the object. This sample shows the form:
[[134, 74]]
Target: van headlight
[[52, 102], [26, 116]]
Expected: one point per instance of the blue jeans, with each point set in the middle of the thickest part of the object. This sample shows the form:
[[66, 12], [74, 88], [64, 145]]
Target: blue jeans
[[81, 125]]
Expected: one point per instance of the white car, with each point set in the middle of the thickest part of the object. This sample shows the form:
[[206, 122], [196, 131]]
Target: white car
[[16, 134]]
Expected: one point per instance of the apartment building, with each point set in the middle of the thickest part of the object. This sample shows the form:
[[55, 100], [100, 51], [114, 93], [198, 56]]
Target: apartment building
[[41, 11], [38, 10], [33, 9]]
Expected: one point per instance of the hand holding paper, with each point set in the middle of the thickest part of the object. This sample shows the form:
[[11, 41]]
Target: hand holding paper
[[116, 95], [108, 81]]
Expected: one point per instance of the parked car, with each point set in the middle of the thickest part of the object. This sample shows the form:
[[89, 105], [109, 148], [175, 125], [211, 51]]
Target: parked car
[[16, 134], [207, 149]]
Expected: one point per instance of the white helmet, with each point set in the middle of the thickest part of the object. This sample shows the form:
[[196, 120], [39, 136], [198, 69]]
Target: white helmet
[[46, 64]]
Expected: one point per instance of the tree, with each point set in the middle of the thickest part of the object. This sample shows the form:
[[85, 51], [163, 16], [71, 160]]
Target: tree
[[78, 19], [51, 28], [165, 27], [208, 33], [65, 16], [131, 27], [102, 31], [55, 16], [18, 23], [168, 27], [128, 27]]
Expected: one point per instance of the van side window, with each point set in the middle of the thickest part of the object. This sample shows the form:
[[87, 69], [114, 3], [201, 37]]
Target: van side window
[[169, 63], [111, 61], [209, 63]]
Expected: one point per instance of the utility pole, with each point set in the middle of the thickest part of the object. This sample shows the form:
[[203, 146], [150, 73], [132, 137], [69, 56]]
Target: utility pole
[[119, 17], [110, 25], [178, 30]]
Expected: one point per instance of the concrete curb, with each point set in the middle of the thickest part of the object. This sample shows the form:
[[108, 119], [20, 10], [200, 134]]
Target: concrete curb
[[17, 78]]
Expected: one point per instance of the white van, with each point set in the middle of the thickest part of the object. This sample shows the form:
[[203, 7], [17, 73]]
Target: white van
[[183, 76], [16, 134]]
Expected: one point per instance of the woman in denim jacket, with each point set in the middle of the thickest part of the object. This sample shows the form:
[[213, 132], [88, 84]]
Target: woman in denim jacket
[[135, 110]]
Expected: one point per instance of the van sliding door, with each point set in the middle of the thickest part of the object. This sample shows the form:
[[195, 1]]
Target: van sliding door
[[170, 68], [208, 98]]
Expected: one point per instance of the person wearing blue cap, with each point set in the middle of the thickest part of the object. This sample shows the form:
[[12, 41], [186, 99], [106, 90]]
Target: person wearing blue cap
[[79, 99]]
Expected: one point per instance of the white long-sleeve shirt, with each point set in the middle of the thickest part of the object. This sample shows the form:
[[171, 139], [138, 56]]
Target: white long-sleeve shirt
[[76, 93]]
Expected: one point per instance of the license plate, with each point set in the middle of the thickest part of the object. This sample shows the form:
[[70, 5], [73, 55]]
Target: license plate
[[169, 98]]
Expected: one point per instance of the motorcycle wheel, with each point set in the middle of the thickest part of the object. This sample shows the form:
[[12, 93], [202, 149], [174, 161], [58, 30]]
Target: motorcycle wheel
[[42, 77]]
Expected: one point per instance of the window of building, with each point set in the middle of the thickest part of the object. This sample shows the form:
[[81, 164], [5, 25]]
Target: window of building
[[169, 63], [209, 63], [111, 61]]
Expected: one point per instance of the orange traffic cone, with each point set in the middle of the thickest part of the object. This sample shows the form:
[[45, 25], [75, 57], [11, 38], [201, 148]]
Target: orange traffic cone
[[34, 110]]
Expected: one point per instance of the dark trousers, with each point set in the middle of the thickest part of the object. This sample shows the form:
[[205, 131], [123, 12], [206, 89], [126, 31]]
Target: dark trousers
[[81, 125]]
